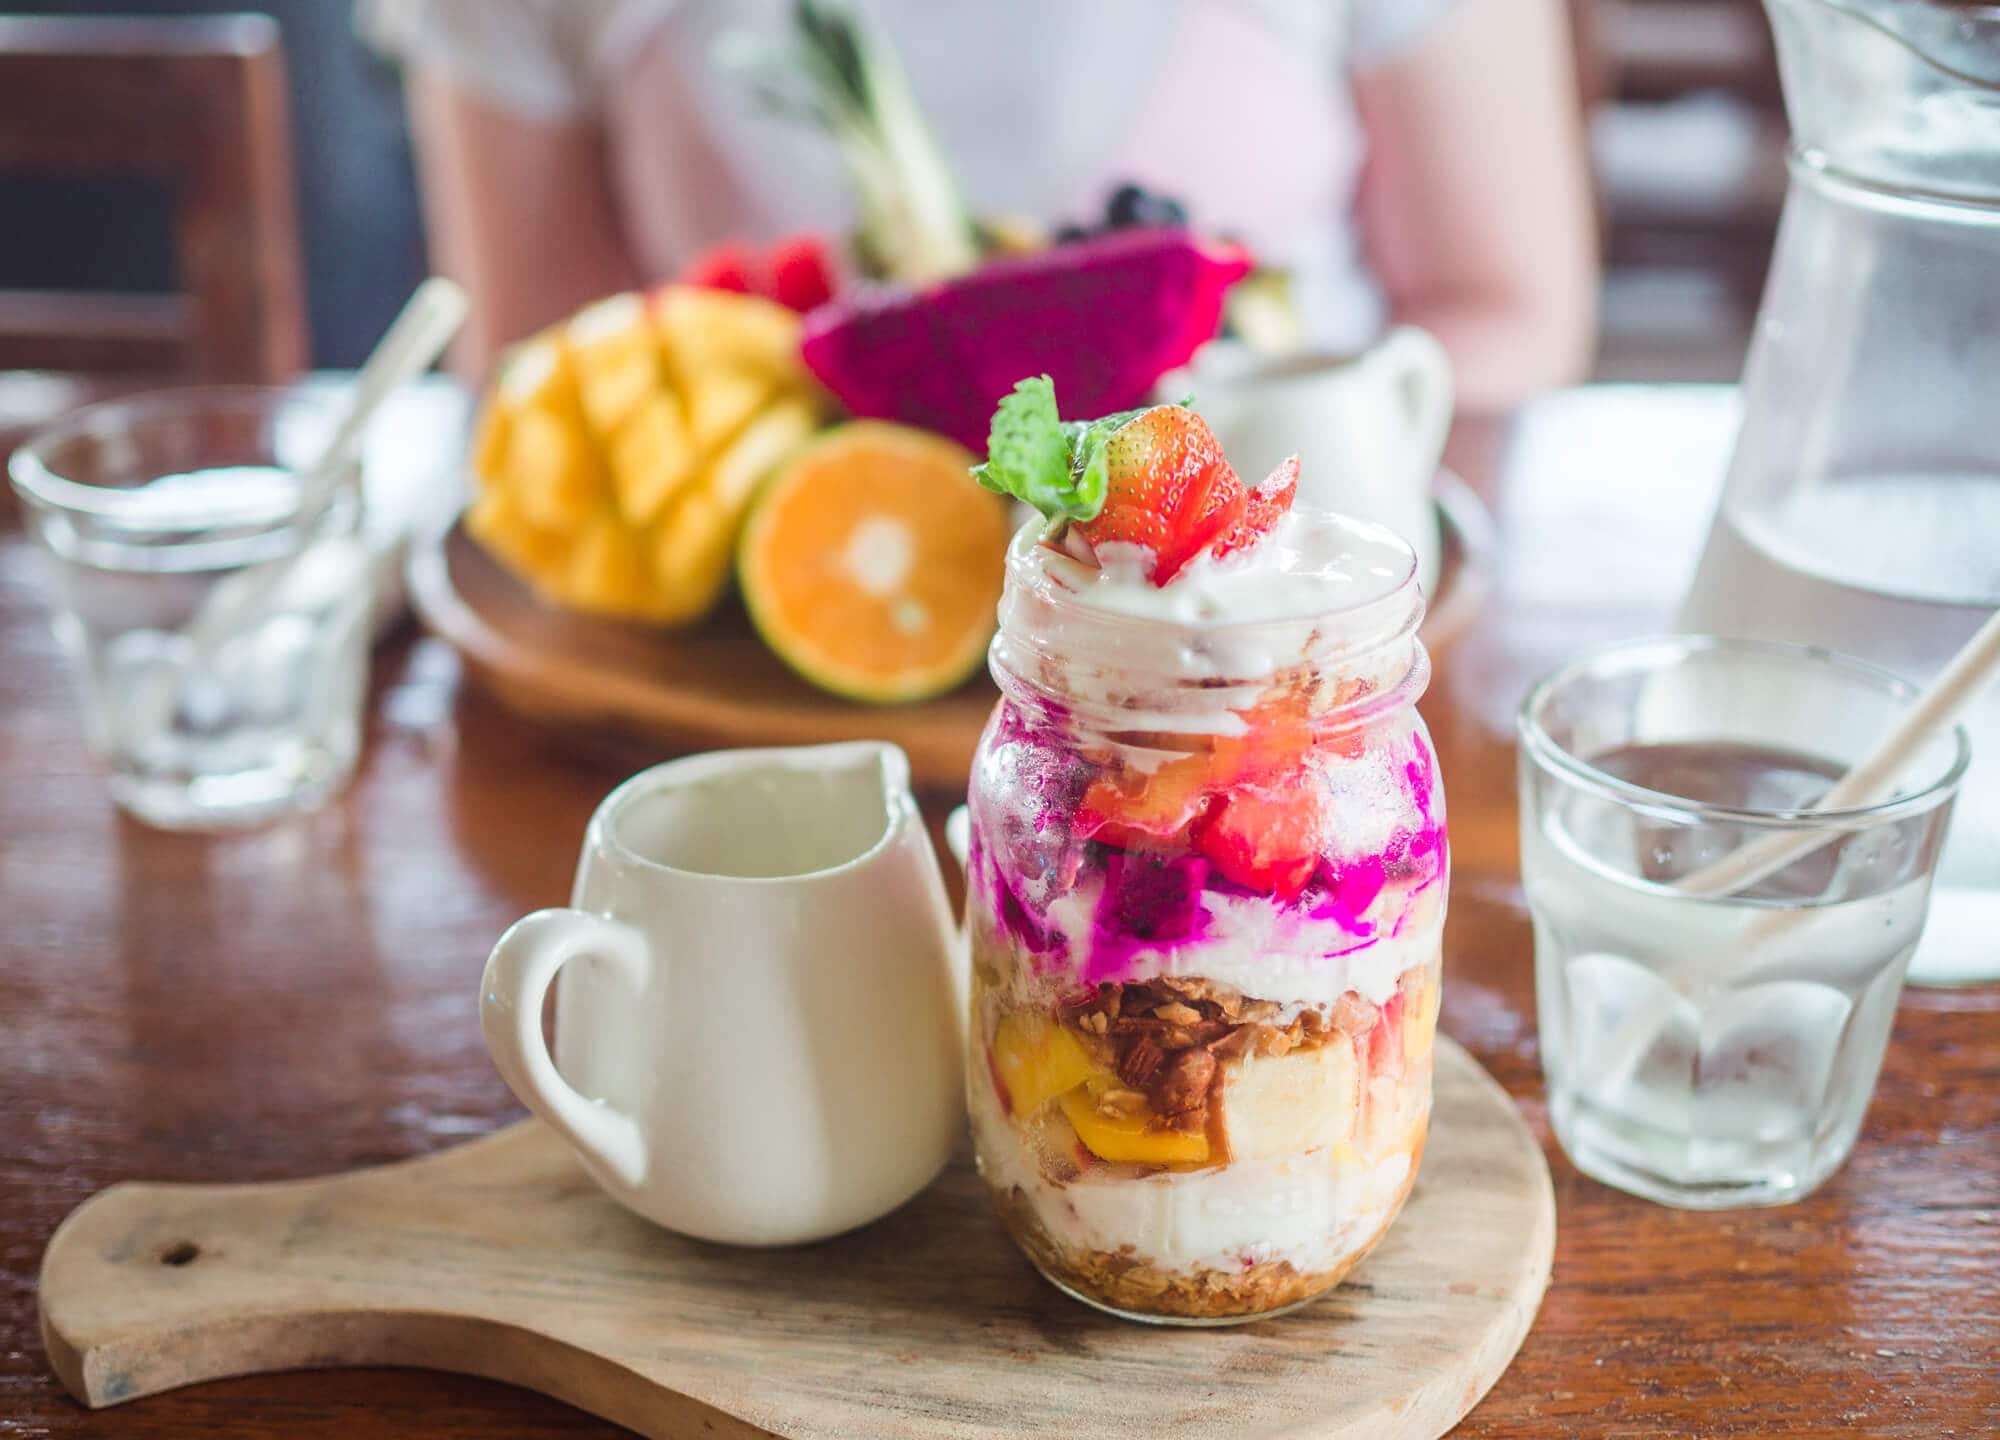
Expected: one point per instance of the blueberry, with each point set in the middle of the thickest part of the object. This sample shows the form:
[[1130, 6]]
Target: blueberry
[[1134, 205], [1070, 234], [1124, 206]]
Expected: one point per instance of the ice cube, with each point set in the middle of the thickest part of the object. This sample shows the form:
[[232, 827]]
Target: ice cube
[[1634, 1040], [1767, 1058]]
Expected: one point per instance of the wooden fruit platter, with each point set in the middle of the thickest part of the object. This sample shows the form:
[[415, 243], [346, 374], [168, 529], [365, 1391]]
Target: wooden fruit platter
[[718, 685], [500, 1258]]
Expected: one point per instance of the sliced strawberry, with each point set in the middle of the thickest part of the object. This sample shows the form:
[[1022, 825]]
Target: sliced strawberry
[[728, 266], [802, 272], [1135, 810], [1262, 510], [1264, 840], [1213, 506], [1168, 488]]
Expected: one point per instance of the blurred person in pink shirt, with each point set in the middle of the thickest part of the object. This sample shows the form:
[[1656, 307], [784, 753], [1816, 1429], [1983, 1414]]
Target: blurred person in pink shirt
[[1410, 161]]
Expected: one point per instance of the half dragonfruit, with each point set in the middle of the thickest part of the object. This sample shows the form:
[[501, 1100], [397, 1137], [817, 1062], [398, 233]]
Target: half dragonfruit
[[1105, 318]]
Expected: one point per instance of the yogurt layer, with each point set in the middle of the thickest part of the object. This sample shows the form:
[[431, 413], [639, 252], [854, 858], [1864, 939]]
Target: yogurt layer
[[1272, 953], [1313, 1209], [1313, 563]]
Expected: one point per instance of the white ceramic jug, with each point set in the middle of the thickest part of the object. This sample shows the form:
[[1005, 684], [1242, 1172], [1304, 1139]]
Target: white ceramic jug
[[1368, 428], [759, 1006]]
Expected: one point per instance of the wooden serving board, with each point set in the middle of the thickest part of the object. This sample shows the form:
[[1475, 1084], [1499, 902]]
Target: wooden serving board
[[501, 1259], [718, 684], [705, 688]]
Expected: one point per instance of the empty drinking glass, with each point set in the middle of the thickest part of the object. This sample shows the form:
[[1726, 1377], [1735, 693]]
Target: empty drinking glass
[[1711, 1044], [218, 622]]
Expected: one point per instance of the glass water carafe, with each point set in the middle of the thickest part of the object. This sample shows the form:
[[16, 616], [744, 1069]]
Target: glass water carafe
[[1862, 509]]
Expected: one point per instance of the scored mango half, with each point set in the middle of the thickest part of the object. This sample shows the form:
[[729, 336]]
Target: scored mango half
[[617, 453]]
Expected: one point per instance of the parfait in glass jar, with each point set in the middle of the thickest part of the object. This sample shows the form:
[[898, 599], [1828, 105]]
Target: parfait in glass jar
[[1207, 876]]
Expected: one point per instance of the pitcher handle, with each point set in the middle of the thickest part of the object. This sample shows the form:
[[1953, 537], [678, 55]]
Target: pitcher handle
[[958, 840], [1424, 391], [511, 995]]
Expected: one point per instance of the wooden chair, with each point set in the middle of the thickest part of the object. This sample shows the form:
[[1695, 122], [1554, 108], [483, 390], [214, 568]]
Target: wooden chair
[[1645, 54], [197, 103]]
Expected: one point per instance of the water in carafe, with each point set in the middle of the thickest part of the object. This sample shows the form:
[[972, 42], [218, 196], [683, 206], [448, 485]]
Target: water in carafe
[[1862, 509]]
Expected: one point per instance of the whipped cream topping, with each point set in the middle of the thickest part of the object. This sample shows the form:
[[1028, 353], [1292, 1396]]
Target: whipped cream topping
[[1313, 563], [1322, 590]]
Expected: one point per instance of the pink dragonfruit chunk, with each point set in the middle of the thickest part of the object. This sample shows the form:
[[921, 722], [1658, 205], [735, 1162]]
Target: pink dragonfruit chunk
[[1104, 318]]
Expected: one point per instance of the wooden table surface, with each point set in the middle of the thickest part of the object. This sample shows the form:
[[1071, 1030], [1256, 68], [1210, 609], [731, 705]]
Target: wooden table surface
[[302, 1000]]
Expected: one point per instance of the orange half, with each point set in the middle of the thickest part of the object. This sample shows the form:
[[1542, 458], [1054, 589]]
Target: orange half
[[872, 563]]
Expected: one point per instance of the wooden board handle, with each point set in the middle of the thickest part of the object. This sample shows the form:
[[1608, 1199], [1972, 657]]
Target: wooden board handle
[[162, 1248], [502, 1259], [146, 1288]]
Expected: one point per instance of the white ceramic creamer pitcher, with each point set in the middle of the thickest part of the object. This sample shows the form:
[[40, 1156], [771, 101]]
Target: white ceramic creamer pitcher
[[759, 1008], [1370, 428]]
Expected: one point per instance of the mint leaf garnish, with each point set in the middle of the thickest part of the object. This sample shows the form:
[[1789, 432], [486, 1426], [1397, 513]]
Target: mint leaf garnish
[[1033, 455], [1028, 455]]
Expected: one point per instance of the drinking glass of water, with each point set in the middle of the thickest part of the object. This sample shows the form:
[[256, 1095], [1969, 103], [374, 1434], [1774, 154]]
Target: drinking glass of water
[[1704, 1049], [164, 517]]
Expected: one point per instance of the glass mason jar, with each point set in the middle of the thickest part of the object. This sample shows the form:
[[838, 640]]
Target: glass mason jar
[[1206, 890]]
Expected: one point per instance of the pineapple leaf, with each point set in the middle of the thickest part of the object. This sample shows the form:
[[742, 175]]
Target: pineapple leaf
[[832, 73]]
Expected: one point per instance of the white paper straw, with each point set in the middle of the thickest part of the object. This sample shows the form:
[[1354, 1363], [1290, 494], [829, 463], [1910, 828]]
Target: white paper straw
[[413, 340], [1870, 781]]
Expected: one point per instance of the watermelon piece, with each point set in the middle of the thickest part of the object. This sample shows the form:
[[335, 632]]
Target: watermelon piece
[[1104, 318]]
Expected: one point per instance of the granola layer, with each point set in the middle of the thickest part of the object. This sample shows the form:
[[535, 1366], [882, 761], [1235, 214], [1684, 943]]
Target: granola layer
[[1173, 1146]]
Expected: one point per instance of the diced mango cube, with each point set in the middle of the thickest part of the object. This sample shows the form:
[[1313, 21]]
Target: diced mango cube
[[705, 329], [1131, 1138], [607, 571], [496, 521], [537, 372], [1037, 1060], [691, 557], [719, 402], [651, 458], [733, 475], [616, 356], [550, 468]]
